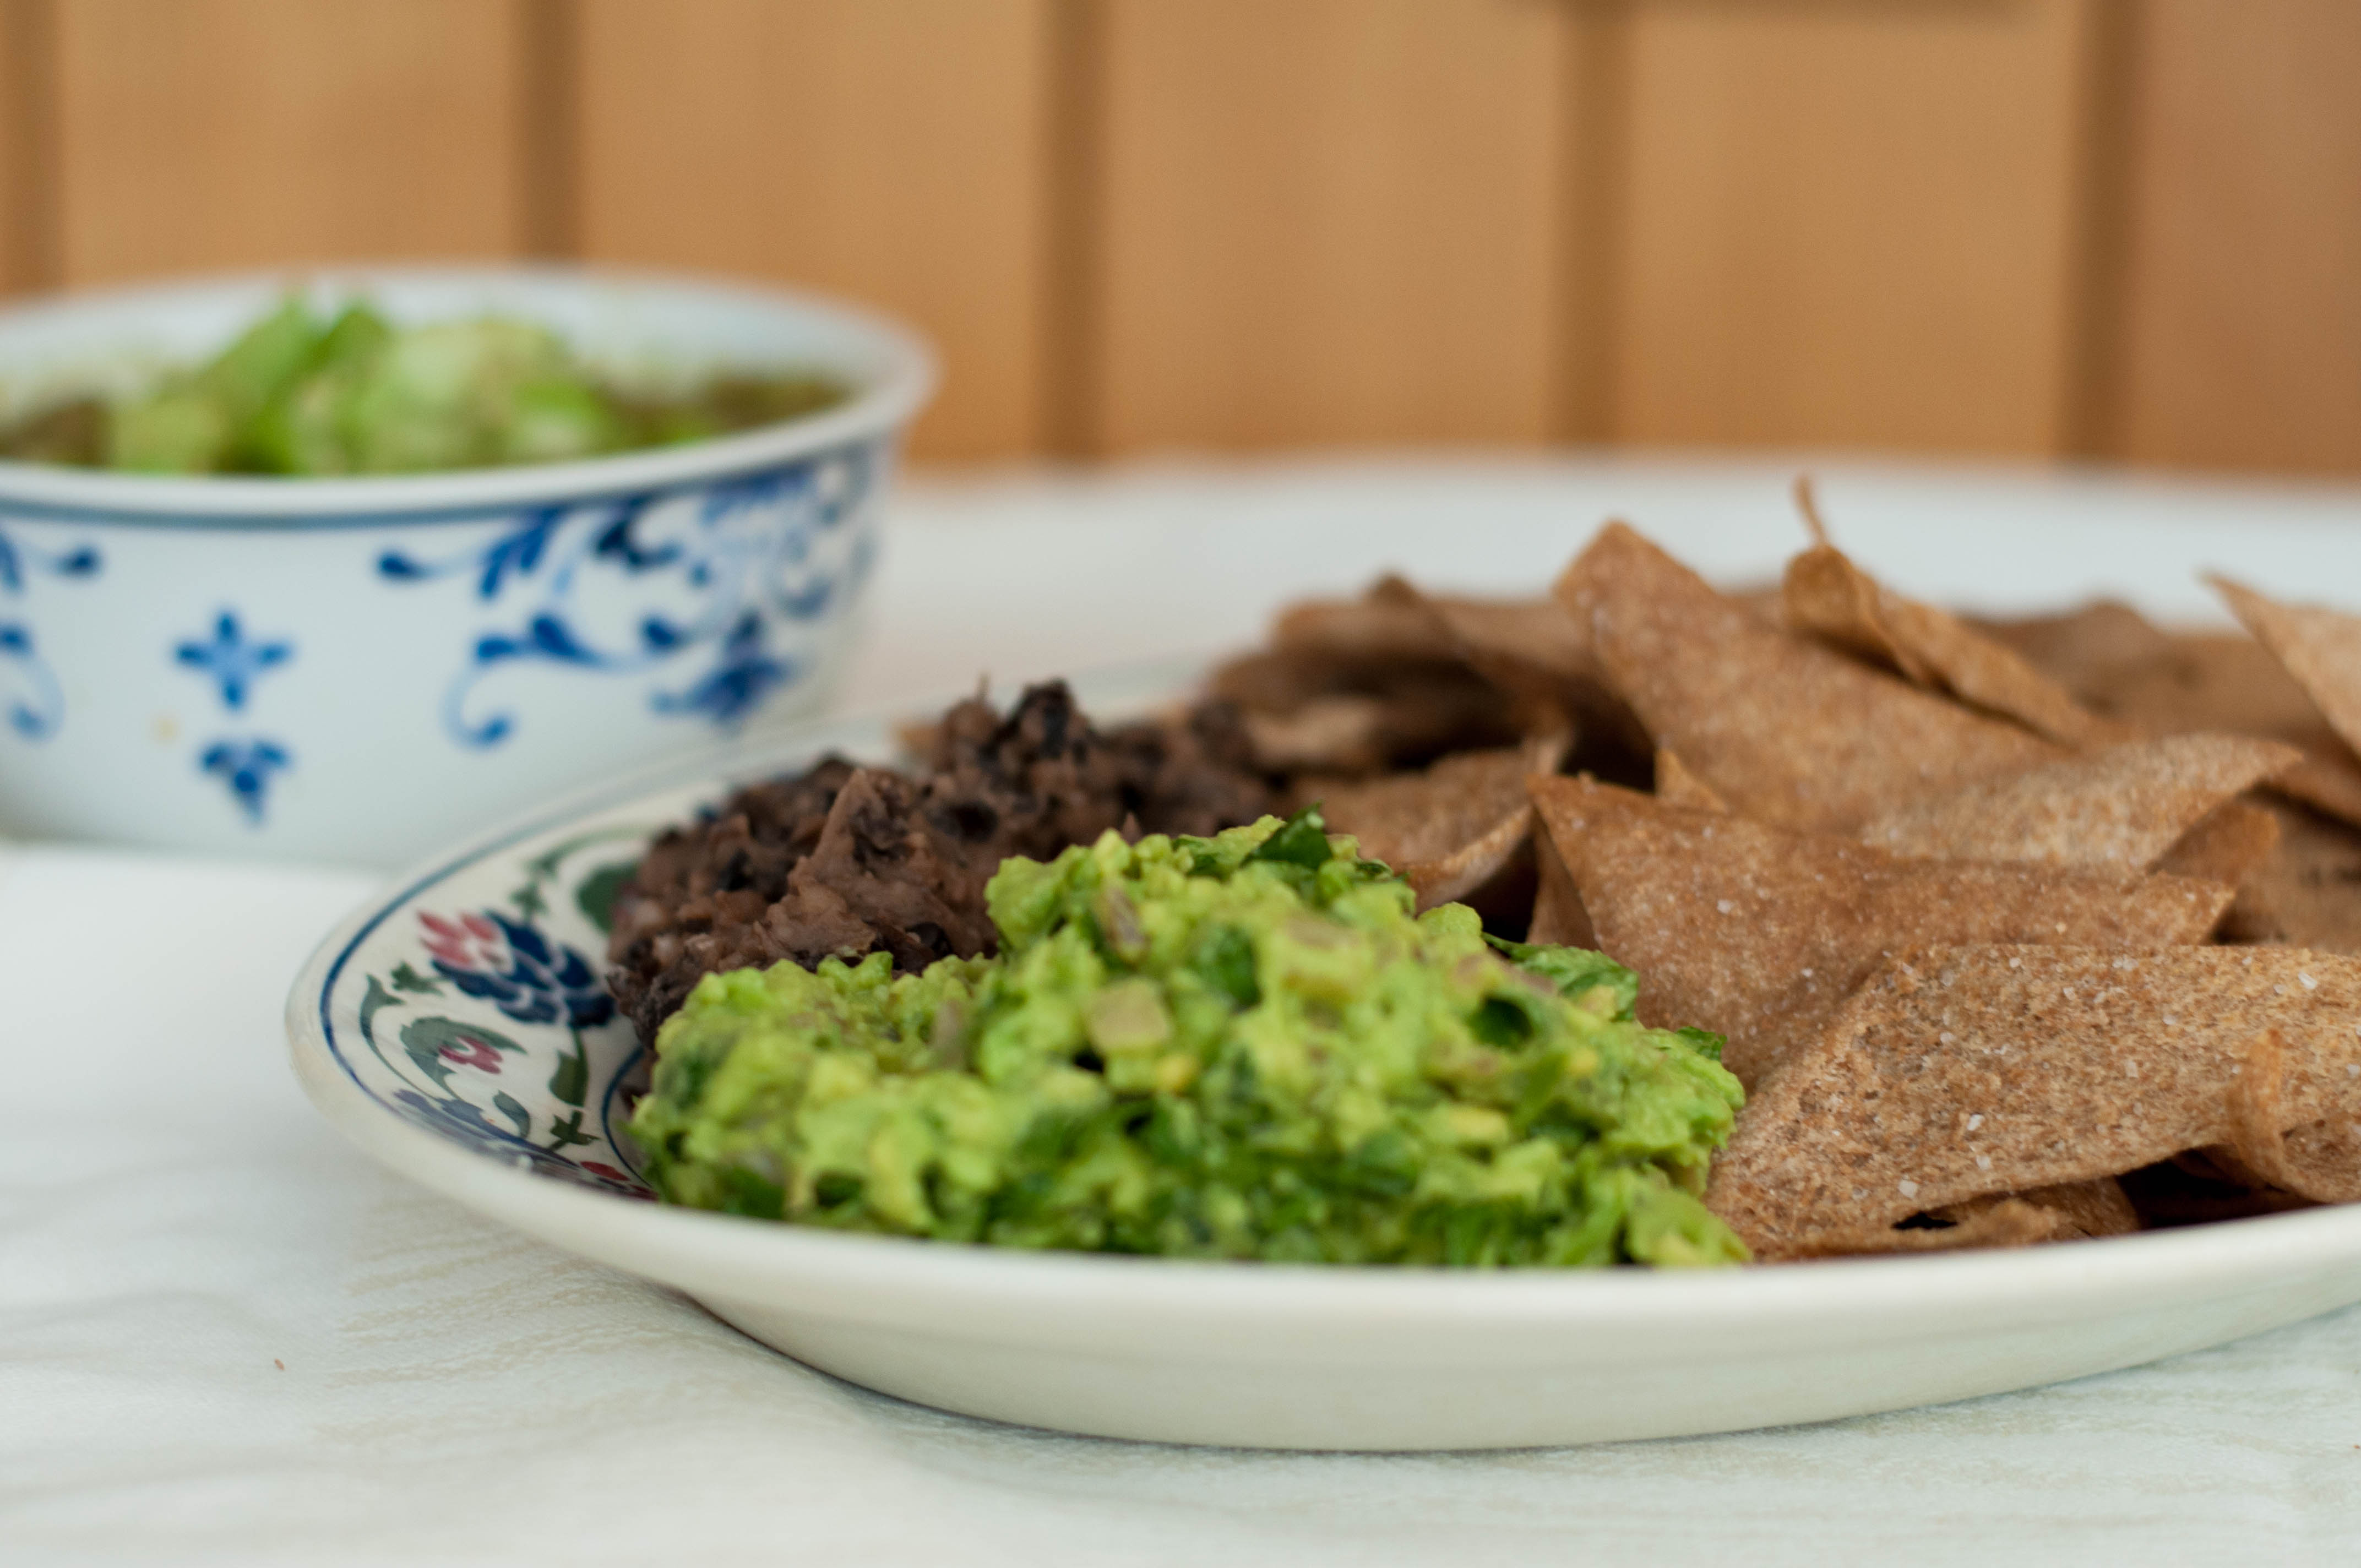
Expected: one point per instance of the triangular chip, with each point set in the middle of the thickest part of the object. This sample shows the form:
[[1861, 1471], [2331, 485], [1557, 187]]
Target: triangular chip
[[2084, 1209], [1415, 719], [2305, 890], [1533, 651], [1452, 829], [2085, 650], [1955, 1073], [1371, 628], [2318, 646], [2229, 843], [1675, 785], [1784, 729], [1558, 919], [2176, 684], [1535, 632], [1760, 934], [1824, 595], [2120, 808], [2237, 844]]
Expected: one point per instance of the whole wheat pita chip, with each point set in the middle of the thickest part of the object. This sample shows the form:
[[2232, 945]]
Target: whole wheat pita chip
[[2235, 843], [2122, 667], [1400, 818], [1824, 595], [2229, 843], [1452, 828], [1760, 934], [1371, 628], [2325, 1158], [2320, 1161], [1351, 733], [1956, 1072], [1783, 729], [1535, 655], [2085, 1210], [2085, 649], [2005, 1222], [2319, 647], [1558, 919], [2074, 1211], [1349, 688], [2307, 892], [2121, 808], [1675, 785], [1535, 632]]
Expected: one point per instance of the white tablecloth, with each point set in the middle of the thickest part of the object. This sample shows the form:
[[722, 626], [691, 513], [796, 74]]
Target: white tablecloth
[[226, 1337]]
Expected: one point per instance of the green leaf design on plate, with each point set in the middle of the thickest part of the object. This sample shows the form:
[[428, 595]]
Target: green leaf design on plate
[[519, 1117], [596, 895], [567, 1133], [424, 1039], [528, 902], [377, 999], [408, 979], [571, 1078]]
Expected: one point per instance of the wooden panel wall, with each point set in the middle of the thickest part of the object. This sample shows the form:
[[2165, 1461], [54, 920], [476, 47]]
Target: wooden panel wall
[[1327, 221], [28, 259], [2110, 227], [2242, 335], [197, 134], [1850, 223], [892, 150]]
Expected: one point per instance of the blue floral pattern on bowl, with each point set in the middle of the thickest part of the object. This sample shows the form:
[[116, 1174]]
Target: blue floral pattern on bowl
[[235, 663], [36, 713], [590, 630], [740, 556]]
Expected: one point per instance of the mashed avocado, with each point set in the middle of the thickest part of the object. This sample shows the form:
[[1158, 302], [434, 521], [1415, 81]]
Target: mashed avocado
[[1243, 1046]]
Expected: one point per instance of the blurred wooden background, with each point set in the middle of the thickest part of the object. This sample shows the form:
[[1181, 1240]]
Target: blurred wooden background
[[2123, 228]]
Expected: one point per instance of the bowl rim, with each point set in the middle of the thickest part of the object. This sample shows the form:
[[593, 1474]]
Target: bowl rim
[[906, 377]]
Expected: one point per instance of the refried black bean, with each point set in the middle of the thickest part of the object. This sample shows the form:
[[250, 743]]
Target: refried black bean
[[843, 860]]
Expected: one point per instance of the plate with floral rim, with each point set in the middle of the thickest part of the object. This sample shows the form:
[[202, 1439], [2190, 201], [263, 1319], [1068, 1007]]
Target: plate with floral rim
[[456, 1028]]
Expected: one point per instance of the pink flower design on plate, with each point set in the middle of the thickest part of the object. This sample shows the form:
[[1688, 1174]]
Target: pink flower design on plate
[[475, 1054], [465, 941], [517, 969]]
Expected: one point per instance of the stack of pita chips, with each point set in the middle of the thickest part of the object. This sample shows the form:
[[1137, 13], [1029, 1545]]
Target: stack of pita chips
[[2015, 933]]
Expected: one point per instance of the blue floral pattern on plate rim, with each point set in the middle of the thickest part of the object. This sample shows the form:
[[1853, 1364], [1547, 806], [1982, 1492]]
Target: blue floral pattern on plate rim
[[500, 995], [471, 1003]]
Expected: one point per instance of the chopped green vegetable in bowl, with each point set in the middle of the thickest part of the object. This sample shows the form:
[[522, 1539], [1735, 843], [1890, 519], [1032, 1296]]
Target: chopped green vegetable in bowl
[[1243, 1046], [303, 394]]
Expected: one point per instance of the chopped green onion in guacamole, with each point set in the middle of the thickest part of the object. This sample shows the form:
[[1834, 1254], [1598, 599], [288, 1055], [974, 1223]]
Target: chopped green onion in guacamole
[[301, 393], [1241, 1047]]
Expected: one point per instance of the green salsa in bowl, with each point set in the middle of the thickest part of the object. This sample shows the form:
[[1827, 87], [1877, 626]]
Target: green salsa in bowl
[[308, 391]]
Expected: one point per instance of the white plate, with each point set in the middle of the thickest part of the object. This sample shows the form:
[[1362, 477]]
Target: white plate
[[474, 1054]]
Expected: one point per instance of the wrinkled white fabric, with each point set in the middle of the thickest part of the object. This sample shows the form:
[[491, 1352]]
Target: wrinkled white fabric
[[225, 1337]]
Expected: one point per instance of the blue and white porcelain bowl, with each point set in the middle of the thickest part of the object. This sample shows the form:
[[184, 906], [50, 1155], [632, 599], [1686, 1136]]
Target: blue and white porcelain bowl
[[356, 669]]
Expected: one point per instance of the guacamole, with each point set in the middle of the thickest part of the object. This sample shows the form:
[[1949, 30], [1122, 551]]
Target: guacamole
[[304, 393], [1241, 1047]]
